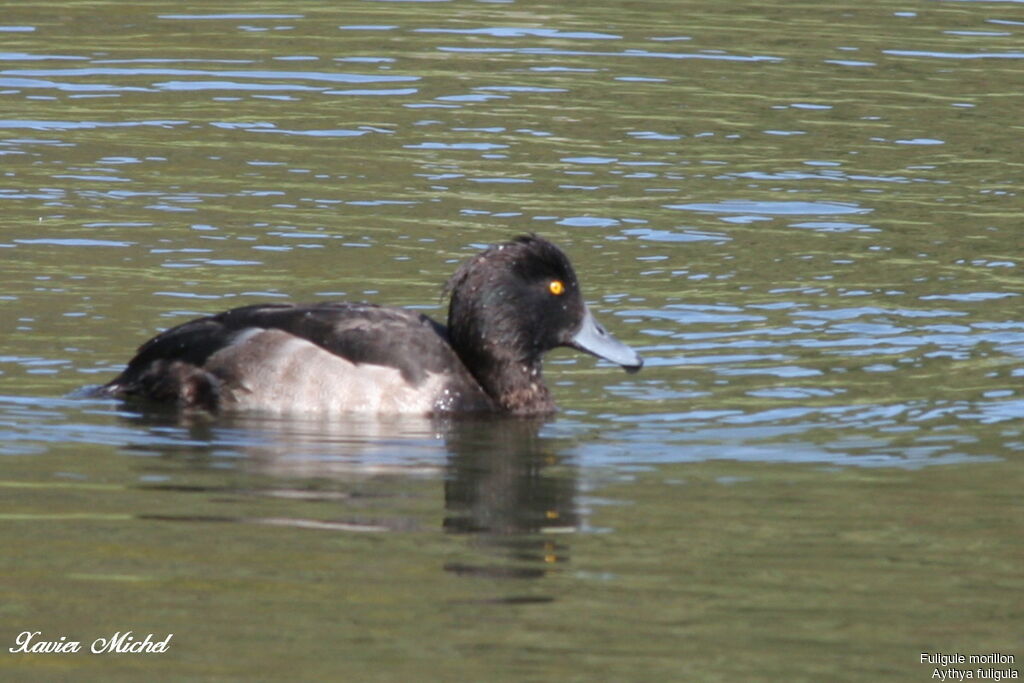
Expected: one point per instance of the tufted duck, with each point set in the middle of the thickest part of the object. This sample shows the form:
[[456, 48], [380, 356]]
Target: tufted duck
[[509, 305]]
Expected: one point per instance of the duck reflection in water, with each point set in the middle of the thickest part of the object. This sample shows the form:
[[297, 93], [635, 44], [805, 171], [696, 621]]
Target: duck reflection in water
[[506, 488], [513, 493]]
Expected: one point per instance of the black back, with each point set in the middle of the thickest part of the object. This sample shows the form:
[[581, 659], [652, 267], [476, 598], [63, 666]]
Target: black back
[[361, 333]]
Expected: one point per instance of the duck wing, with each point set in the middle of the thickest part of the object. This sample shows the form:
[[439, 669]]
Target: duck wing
[[257, 348]]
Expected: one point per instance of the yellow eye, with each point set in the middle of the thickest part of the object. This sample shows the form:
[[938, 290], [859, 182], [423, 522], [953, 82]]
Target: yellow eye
[[556, 287]]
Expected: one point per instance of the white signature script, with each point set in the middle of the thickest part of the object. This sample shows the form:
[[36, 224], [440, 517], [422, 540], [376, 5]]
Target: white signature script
[[30, 641]]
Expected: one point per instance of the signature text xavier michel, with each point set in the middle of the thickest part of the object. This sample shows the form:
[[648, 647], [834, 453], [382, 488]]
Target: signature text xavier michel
[[30, 641]]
